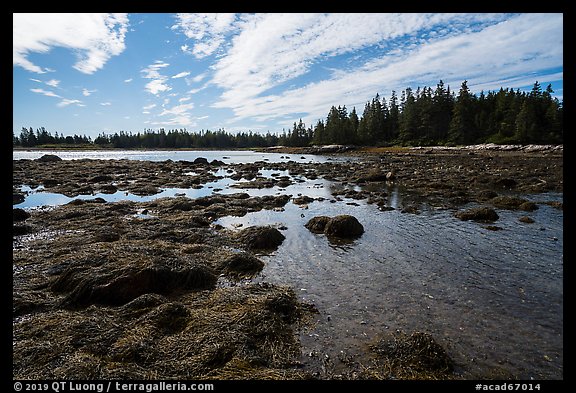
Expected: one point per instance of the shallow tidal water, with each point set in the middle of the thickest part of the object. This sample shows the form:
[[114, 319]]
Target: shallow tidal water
[[492, 299]]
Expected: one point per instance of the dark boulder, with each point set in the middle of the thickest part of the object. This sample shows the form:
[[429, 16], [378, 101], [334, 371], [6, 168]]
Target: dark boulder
[[528, 206], [260, 238], [507, 202], [19, 214], [344, 226], [200, 161], [17, 198], [317, 224], [302, 200], [479, 214], [49, 158]]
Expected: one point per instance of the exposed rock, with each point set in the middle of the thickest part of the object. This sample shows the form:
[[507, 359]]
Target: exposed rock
[[19, 214], [479, 214], [416, 352], [108, 189], [526, 220], [344, 226], [242, 265], [260, 238], [200, 160], [302, 200], [317, 224], [486, 195], [49, 158], [507, 202], [528, 206], [145, 190], [17, 198]]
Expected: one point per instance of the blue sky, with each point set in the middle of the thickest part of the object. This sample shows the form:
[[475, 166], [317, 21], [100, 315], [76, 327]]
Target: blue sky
[[93, 73]]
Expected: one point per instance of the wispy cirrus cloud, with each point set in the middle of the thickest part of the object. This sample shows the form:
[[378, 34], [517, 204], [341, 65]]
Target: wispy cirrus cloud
[[158, 81], [180, 75], [94, 38], [271, 51], [178, 115], [53, 83], [86, 92], [47, 93], [66, 102]]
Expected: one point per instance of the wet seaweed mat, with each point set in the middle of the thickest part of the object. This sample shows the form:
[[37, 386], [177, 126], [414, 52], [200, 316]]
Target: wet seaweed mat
[[227, 333]]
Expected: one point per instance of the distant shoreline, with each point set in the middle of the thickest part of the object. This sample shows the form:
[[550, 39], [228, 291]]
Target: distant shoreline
[[322, 149]]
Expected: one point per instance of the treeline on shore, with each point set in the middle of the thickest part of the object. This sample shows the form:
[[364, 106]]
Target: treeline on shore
[[424, 117]]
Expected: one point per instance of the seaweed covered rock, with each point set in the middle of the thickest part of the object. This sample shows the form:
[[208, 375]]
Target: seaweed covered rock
[[317, 224], [260, 238], [414, 356], [242, 264], [479, 214], [513, 203], [343, 226], [85, 289], [49, 158]]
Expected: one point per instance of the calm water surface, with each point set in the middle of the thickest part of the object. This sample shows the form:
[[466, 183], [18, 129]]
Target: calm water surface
[[493, 299]]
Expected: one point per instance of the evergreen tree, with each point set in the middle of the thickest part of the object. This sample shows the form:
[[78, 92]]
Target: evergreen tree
[[462, 129]]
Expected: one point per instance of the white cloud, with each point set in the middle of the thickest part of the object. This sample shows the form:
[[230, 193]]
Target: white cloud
[[181, 75], [86, 92], [45, 92], [271, 50], [128, 80], [105, 103], [35, 80], [66, 102], [158, 83], [178, 109], [183, 99], [157, 86], [147, 107], [53, 83], [179, 116], [207, 30], [94, 38]]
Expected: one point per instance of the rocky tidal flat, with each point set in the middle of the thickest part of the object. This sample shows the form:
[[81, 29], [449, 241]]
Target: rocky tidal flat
[[155, 287]]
